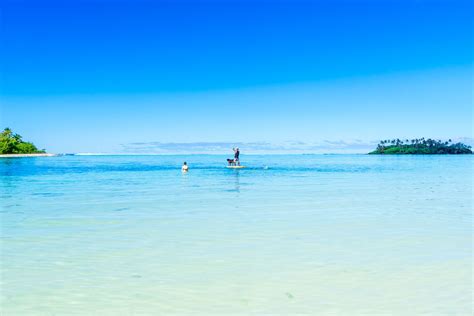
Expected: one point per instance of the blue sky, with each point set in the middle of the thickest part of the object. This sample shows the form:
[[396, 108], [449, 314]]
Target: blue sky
[[164, 76]]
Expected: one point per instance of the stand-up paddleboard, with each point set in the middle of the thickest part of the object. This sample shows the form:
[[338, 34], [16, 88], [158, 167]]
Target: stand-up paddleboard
[[236, 167]]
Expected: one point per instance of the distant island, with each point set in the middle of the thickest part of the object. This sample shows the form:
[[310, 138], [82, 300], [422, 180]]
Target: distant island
[[13, 144], [420, 146]]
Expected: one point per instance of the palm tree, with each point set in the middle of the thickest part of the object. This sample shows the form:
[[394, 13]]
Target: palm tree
[[17, 137], [7, 132]]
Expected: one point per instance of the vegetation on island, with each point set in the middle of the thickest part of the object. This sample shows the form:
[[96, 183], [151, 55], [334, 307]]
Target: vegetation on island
[[421, 146], [11, 143]]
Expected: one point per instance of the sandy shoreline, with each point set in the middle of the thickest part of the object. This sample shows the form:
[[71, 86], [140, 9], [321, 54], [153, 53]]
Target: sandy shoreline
[[26, 155]]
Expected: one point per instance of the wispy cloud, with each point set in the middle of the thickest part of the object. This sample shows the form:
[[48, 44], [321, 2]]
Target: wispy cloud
[[324, 146], [261, 147]]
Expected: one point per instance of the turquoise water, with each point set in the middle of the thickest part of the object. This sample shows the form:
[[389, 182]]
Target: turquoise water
[[309, 234]]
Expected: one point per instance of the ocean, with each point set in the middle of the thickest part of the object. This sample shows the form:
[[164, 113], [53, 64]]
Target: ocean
[[288, 235]]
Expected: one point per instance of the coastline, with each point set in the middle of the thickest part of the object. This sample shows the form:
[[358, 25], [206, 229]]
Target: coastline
[[26, 155]]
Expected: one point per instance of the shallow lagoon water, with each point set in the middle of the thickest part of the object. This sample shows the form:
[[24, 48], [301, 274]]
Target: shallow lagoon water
[[310, 234]]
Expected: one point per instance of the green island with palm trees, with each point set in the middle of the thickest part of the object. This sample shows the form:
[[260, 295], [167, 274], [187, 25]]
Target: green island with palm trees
[[13, 144], [420, 146]]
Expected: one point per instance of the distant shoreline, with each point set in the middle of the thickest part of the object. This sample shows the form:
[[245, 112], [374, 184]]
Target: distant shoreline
[[26, 155]]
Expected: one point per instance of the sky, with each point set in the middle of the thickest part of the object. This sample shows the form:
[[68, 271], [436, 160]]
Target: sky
[[202, 76]]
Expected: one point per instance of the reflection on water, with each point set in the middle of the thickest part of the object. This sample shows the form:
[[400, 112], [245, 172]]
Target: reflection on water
[[236, 180]]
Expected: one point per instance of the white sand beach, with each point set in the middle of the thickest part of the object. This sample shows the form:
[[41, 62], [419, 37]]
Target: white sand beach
[[27, 155]]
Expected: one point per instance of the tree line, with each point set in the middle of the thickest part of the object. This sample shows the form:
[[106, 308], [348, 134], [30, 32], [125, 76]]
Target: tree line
[[421, 146], [11, 143]]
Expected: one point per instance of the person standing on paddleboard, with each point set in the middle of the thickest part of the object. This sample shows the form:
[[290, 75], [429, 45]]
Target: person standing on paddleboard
[[236, 155]]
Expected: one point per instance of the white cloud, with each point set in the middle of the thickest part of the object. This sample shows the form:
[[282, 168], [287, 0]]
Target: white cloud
[[325, 146]]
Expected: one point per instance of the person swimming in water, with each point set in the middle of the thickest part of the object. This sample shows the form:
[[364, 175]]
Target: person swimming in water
[[185, 167], [236, 155]]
